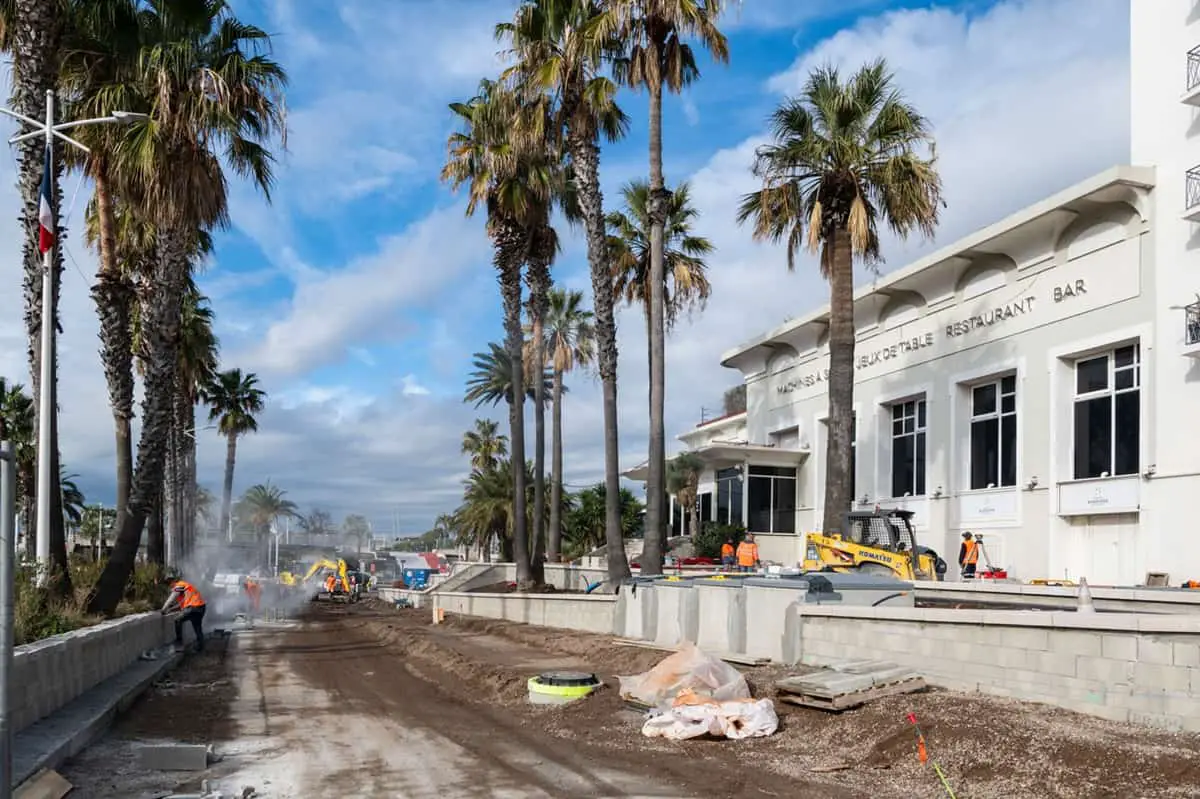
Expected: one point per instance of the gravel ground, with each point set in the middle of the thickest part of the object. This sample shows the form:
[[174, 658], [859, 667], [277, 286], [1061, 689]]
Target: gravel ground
[[988, 747]]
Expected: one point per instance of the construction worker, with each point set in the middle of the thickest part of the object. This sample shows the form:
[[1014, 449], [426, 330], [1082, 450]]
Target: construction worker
[[254, 593], [330, 582], [747, 554], [968, 556], [186, 598], [727, 559]]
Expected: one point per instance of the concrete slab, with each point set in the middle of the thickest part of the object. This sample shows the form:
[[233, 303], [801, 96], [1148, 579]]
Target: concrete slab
[[50, 742], [173, 757]]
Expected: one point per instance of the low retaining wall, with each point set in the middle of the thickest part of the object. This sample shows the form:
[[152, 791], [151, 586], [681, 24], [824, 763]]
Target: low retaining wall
[[589, 613], [1142, 668], [1124, 600], [50, 673]]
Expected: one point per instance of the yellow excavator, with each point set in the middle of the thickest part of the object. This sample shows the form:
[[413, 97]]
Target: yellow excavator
[[874, 542], [337, 570]]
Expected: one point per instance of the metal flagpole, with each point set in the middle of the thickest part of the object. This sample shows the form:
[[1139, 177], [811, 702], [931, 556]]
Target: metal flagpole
[[8, 491]]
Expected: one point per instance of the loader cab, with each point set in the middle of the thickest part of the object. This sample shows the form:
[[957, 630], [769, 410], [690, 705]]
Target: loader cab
[[890, 530]]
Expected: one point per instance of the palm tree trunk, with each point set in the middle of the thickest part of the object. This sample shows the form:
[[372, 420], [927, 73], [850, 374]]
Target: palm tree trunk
[[509, 255], [114, 295], [227, 486], [841, 381], [35, 45], [585, 153], [538, 278], [654, 546], [160, 331], [155, 538], [554, 545], [189, 486]]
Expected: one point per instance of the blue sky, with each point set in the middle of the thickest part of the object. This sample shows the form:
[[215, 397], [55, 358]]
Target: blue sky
[[360, 293]]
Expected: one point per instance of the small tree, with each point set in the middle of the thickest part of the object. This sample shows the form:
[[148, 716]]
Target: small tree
[[683, 482]]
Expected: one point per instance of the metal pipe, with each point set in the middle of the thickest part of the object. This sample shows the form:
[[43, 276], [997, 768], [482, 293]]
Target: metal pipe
[[8, 513]]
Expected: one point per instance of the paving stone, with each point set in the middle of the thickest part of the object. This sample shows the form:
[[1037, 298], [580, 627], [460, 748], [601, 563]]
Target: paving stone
[[173, 757]]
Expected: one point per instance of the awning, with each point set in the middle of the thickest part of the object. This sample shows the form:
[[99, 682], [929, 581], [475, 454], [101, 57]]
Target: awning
[[722, 455]]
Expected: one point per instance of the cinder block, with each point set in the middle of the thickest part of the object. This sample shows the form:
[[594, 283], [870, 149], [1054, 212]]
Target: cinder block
[[1154, 650], [1014, 658], [1170, 723], [1105, 670], [1076, 642], [1185, 653], [1118, 714], [1055, 663], [1118, 647], [1021, 638], [1152, 677], [173, 757]]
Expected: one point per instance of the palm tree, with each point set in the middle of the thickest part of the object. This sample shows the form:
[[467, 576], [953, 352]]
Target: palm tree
[[198, 348], [514, 178], [490, 381], [683, 482], [31, 33], [233, 399], [559, 48], [265, 503], [485, 444], [488, 509], [17, 421], [217, 98], [659, 56], [203, 505], [844, 157], [570, 343], [73, 500]]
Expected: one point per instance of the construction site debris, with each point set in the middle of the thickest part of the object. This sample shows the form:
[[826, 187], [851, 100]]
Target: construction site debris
[[688, 669], [692, 715], [45, 784], [850, 683]]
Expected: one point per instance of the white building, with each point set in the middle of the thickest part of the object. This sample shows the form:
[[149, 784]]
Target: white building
[[1037, 381]]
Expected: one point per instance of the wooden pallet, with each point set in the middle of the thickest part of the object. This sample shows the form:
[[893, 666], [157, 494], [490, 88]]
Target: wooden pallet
[[852, 699]]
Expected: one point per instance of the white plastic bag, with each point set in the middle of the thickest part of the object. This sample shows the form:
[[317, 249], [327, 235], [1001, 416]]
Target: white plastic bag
[[688, 669], [736, 719], [679, 724], [750, 718]]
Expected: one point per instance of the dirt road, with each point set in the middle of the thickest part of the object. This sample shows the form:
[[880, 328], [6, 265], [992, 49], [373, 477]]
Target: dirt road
[[374, 702]]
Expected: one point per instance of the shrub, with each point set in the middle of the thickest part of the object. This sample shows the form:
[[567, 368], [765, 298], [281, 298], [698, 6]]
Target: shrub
[[707, 543]]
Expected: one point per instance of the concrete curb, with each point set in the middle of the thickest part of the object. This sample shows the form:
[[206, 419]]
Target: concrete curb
[[50, 742]]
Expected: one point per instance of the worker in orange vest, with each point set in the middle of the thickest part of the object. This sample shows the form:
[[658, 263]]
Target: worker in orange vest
[[727, 559], [968, 556], [254, 592], [747, 554], [330, 582], [186, 598]]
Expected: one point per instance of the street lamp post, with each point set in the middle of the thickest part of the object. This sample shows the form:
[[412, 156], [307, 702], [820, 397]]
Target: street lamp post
[[49, 131], [8, 541]]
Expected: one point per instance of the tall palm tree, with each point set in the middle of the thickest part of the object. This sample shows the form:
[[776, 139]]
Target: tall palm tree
[[217, 100], [683, 483], [845, 156], [73, 500], [485, 444], [198, 349], [656, 33], [513, 177], [559, 50], [264, 504], [488, 506], [32, 35], [233, 399], [570, 343]]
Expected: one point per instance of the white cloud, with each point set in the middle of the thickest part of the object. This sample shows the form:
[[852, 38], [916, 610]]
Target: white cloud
[[410, 386]]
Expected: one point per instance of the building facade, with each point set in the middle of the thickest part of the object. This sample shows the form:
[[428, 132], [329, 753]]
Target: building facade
[[1037, 382]]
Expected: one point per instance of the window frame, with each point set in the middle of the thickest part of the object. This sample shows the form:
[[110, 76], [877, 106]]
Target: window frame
[[774, 479], [728, 476], [1109, 392], [997, 414], [920, 432]]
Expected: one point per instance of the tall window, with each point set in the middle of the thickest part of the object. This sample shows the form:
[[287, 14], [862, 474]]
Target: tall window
[[994, 434], [729, 496], [1108, 413], [908, 448], [772, 500]]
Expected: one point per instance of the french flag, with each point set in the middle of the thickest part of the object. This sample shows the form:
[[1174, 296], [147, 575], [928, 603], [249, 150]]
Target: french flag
[[45, 210]]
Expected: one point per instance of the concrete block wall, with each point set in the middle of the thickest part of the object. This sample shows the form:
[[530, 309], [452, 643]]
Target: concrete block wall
[[1138, 668], [589, 613], [1124, 600], [50, 673], [469, 576]]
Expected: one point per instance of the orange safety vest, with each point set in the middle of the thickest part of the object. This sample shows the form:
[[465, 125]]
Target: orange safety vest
[[727, 550], [747, 553], [971, 556], [191, 597]]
